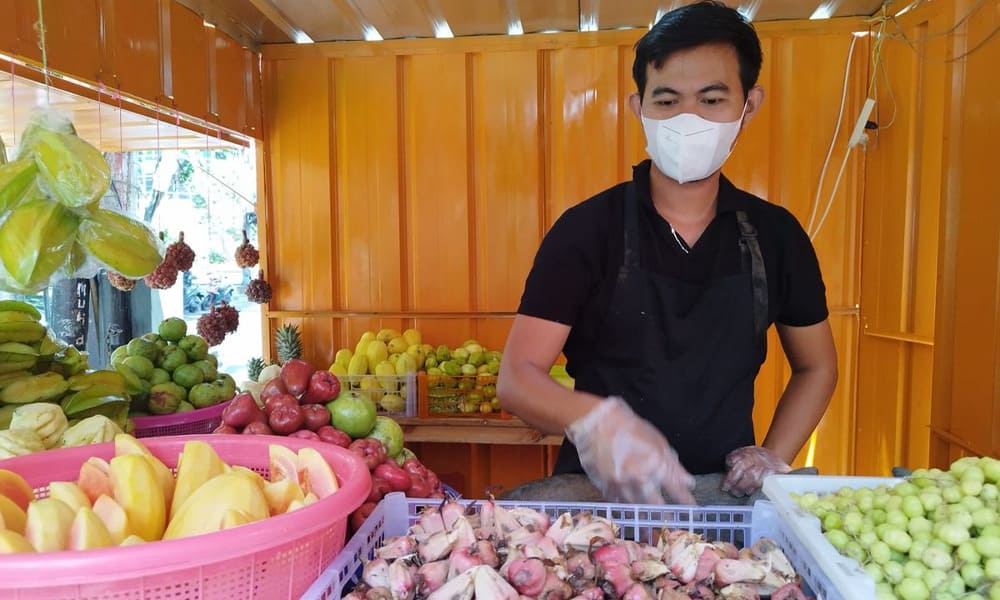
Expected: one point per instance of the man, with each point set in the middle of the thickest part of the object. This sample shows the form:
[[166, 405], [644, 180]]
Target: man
[[660, 291]]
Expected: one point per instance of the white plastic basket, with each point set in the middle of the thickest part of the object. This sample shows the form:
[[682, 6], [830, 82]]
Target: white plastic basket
[[393, 383], [832, 575], [739, 525]]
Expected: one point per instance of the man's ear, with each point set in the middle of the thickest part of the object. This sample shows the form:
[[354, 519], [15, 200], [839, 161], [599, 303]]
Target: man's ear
[[635, 105], [755, 99]]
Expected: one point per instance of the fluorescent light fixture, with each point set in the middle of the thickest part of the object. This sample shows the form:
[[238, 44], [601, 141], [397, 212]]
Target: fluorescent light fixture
[[209, 25], [441, 30], [515, 28], [825, 10], [589, 23], [749, 9], [550, 31], [907, 8], [860, 34], [302, 37], [371, 34]]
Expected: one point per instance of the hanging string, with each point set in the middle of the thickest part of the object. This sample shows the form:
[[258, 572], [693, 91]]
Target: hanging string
[[123, 202], [13, 108], [45, 53]]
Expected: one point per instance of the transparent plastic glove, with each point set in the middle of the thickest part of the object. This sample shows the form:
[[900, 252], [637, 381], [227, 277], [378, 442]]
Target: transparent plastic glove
[[748, 466], [627, 458]]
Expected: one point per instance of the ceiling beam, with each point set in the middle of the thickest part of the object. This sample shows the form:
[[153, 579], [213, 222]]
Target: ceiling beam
[[224, 22], [274, 15]]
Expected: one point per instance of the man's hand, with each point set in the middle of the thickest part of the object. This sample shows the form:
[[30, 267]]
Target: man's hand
[[627, 458], [748, 466]]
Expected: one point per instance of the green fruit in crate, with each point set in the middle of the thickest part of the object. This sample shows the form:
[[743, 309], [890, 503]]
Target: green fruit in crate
[[417, 354], [442, 353], [406, 364], [204, 395], [389, 433], [431, 362], [207, 369], [214, 361], [15, 177], [393, 403], [371, 388], [468, 370], [173, 329], [184, 407], [118, 354], [466, 384], [358, 365], [188, 376], [449, 367], [165, 398], [460, 356], [133, 383], [493, 367], [489, 391], [143, 348], [343, 358], [477, 359], [124, 244], [159, 376], [339, 370], [385, 375], [36, 240], [194, 346], [386, 335], [352, 413], [393, 359], [412, 337], [142, 366], [473, 348], [172, 358], [227, 384]]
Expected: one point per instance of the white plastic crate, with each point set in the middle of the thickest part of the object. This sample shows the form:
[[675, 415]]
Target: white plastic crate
[[739, 525], [832, 575], [375, 387]]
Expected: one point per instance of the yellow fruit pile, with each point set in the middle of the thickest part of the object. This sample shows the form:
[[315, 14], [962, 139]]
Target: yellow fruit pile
[[135, 498], [377, 364]]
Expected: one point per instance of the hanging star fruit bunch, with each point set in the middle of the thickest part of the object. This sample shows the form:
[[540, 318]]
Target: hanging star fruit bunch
[[51, 222]]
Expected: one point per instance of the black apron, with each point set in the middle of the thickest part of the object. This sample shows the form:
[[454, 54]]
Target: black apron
[[684, 356]]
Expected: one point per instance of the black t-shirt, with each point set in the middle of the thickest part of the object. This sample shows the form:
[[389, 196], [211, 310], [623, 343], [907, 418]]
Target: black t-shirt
[[575, 269]]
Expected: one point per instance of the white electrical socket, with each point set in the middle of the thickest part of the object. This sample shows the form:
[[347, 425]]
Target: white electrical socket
[[859, 128]]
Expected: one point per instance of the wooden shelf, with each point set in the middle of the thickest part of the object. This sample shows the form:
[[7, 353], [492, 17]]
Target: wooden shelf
[[470, 430]]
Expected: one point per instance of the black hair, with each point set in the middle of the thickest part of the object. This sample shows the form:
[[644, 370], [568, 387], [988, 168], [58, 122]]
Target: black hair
[[705, 22]]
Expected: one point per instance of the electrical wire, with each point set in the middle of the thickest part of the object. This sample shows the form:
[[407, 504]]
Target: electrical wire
[[836, 132], [836, 184]]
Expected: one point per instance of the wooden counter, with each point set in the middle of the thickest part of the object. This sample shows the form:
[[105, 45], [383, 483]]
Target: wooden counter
[[470, 430]]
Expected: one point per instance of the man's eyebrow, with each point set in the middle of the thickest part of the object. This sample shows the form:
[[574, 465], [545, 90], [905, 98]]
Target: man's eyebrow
[[718, 86]]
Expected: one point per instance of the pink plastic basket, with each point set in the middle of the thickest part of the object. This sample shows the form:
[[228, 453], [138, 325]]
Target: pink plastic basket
[[195, 422], [279, 557]]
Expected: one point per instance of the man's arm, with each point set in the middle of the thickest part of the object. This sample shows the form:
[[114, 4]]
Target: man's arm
[[525, 387], [813, 359]]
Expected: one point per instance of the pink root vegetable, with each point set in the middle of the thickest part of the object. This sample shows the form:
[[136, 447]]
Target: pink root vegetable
[[524, 536], [789, 591], [486, 512], [436, 547], [637, 592], [580, 567], [635, 551], [460, 588], [739, 591], [706, 563], [402, 579], [504, 523], [431, 576], [598, 532], [396, 547], [620, 577], [527, 576], [378, 593], [528, 517], [589, 592], [513, 554], [489, 584], [727, 550], [376, 573], [451, 512], [648, 570], [555, 588], [684, 564], [487, 553], [462, 560], [463, 533], [729, 571], [430, 521], [767, 551], [605, 556], [558, 531]]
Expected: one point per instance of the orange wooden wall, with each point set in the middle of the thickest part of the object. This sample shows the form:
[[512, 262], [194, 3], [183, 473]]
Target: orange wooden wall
[[156, 51], [409, 183], [929, 352]]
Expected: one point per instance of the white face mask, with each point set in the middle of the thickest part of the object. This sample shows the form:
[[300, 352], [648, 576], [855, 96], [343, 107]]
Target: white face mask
[[687, 147]]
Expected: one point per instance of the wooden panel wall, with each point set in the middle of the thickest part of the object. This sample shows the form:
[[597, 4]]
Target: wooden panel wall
[[930, 305], [156, 51], [410, 183]]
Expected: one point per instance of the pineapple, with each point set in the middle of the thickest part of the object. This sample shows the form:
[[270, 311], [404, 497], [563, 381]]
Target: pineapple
[[254, 367], [288, 342]]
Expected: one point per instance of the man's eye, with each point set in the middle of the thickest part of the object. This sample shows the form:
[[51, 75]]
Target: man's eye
[[711, 101], [666, 102]]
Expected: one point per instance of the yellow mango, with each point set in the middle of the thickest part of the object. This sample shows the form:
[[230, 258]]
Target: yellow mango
[[127, 444], [205, 510], [140, 495], [280, 494], [88, 531], [12, 542], [197, 464], [11, 515], [48, 524]]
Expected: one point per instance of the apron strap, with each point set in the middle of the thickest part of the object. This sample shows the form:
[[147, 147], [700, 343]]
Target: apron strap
[[750, 249], [631, 260]]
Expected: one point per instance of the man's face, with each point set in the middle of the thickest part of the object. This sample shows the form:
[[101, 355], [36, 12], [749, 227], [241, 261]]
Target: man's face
[[704, 80]]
